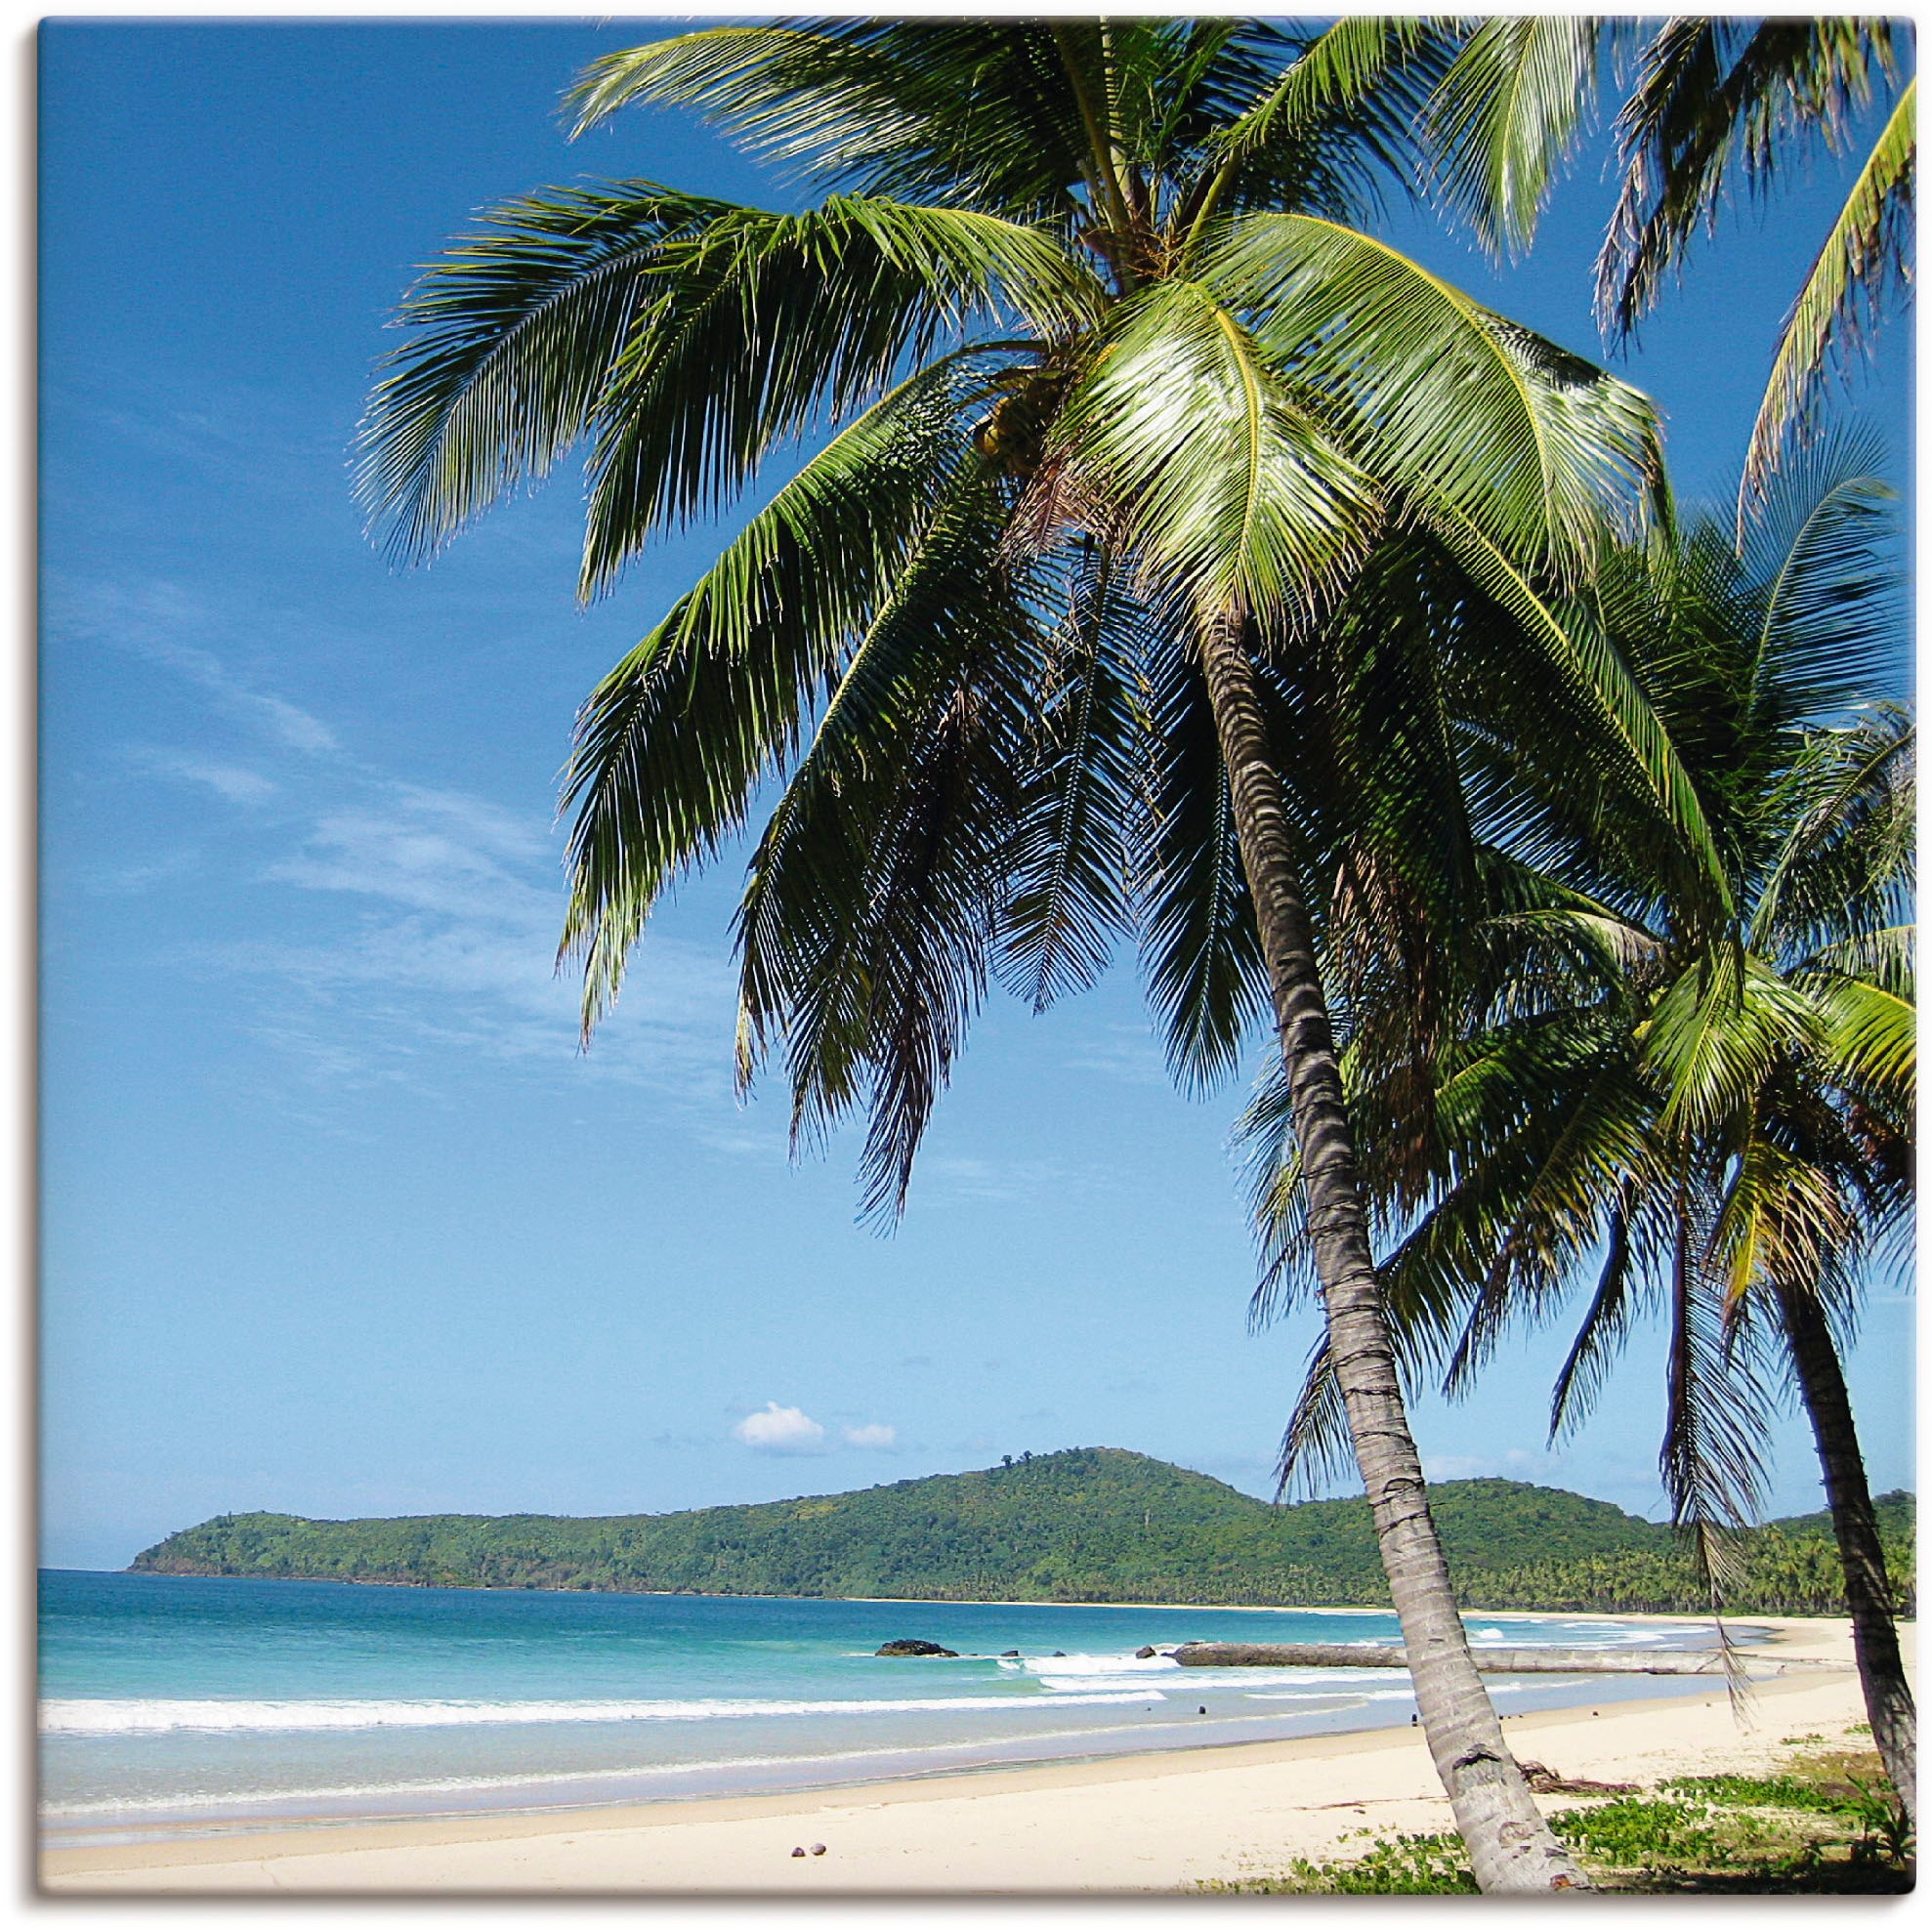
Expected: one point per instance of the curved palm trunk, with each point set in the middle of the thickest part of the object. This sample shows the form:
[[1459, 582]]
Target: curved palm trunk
[[1888, 1701], [1511, 1848]]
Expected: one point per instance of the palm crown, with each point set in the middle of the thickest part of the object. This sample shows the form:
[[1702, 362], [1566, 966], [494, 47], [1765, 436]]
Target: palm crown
[[1098, 349]]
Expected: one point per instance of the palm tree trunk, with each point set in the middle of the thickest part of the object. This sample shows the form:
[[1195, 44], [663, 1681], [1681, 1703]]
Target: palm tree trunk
[[1888, 1701], [1511, 1849]]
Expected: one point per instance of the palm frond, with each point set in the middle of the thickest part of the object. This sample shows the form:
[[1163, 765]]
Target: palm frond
[[1714, 95], [972, 113], [1200, 953], [1069, 877], [1826, 553], [1217, 484], [1594, 683], [1316, 1448], [1712, 1456], [517, 335], [1716, 1032], [1438, 398], [873, 900], [673, 742], [1872, 1038], [764, 326], [1340, 114], [1864, 257], [1506, 117]]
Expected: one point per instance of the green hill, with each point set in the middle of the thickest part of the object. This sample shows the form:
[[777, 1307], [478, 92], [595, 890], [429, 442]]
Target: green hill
[[1096, 1524]]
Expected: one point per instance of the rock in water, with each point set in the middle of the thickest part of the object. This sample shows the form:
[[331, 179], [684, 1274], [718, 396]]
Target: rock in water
[[914, 1648], [1144, 1652]]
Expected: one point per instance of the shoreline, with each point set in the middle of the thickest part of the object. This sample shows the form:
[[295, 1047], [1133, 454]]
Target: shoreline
[[1074, 1604], [1123, 1823]]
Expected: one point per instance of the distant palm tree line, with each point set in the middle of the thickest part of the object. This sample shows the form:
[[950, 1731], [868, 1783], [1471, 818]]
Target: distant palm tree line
[[1184, 562]]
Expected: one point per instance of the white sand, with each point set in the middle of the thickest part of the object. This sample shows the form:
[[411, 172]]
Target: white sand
[[1122, 1826]]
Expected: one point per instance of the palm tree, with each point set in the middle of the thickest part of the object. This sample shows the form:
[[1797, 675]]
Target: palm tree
[[1121, 399], [1711, 98], [1713, 1116]]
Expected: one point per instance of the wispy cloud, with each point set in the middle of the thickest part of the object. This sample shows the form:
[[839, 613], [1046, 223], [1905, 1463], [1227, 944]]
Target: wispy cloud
[[443, 951], [227, 779], [172, 628], [872, 1437]]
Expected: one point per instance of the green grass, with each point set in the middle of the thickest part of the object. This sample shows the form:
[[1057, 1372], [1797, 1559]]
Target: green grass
[[1830, 1824]]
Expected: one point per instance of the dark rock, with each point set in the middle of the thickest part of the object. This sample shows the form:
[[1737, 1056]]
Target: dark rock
[[1011, 1653], [1056, 1655], [818, 1847], [1143, 1652], [914, 1648], [798, 1852]]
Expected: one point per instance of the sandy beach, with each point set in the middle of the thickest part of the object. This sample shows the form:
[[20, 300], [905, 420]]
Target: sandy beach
[[1141, 1824]]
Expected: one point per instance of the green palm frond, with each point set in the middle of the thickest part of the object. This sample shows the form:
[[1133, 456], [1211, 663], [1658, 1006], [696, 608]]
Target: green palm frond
[[1462, 411], [672, 743], [1068, 880], [1713, 1457], [1507, 114], [966, 111], [1716, 1033], [1864, 257], [764, 325], [1211, 475], [1871, 1038], [1200, 953], [1825, 550], [684, 339], [1714, 96], [517, 335], [1334, 117], [1620, 1298], [1316, 1447], [873, 900], [1594, 683], [1844, 866], [1781, 1222]]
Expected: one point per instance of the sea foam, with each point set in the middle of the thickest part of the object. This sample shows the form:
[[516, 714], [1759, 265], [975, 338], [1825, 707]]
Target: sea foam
[[135, 1716]]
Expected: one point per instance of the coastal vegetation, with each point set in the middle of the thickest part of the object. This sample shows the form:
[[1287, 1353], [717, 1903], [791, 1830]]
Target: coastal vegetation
[[1830, 1823], [1095, 1525]]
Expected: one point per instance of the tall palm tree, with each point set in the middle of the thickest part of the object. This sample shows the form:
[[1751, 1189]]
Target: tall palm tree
[[1713, 1116], [1121, 399], [1711, 98]]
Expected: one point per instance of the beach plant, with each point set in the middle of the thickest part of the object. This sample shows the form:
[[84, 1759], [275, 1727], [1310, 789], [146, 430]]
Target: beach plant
[[1112, 401], [1819, 1831], [1711, 100], [1712, 1115]]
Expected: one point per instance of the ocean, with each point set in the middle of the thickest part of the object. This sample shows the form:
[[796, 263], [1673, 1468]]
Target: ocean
[[205, 1704]]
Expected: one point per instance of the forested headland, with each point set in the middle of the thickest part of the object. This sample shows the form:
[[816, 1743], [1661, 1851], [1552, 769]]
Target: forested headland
[[1091, 1525]]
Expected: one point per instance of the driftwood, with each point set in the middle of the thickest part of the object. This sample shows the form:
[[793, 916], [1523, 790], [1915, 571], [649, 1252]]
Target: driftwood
[[1488, 1659]]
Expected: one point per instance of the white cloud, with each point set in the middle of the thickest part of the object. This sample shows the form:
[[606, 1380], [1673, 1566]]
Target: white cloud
[[872, 1437], [780, 1429]]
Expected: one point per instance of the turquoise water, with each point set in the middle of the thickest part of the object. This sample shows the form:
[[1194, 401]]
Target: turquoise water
[[186, 1702]]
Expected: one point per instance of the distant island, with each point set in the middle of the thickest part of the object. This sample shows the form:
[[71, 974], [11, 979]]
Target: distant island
[[1095, 1524]]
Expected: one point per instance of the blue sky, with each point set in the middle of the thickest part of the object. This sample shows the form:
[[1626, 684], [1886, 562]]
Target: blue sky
[[337, 1219]]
